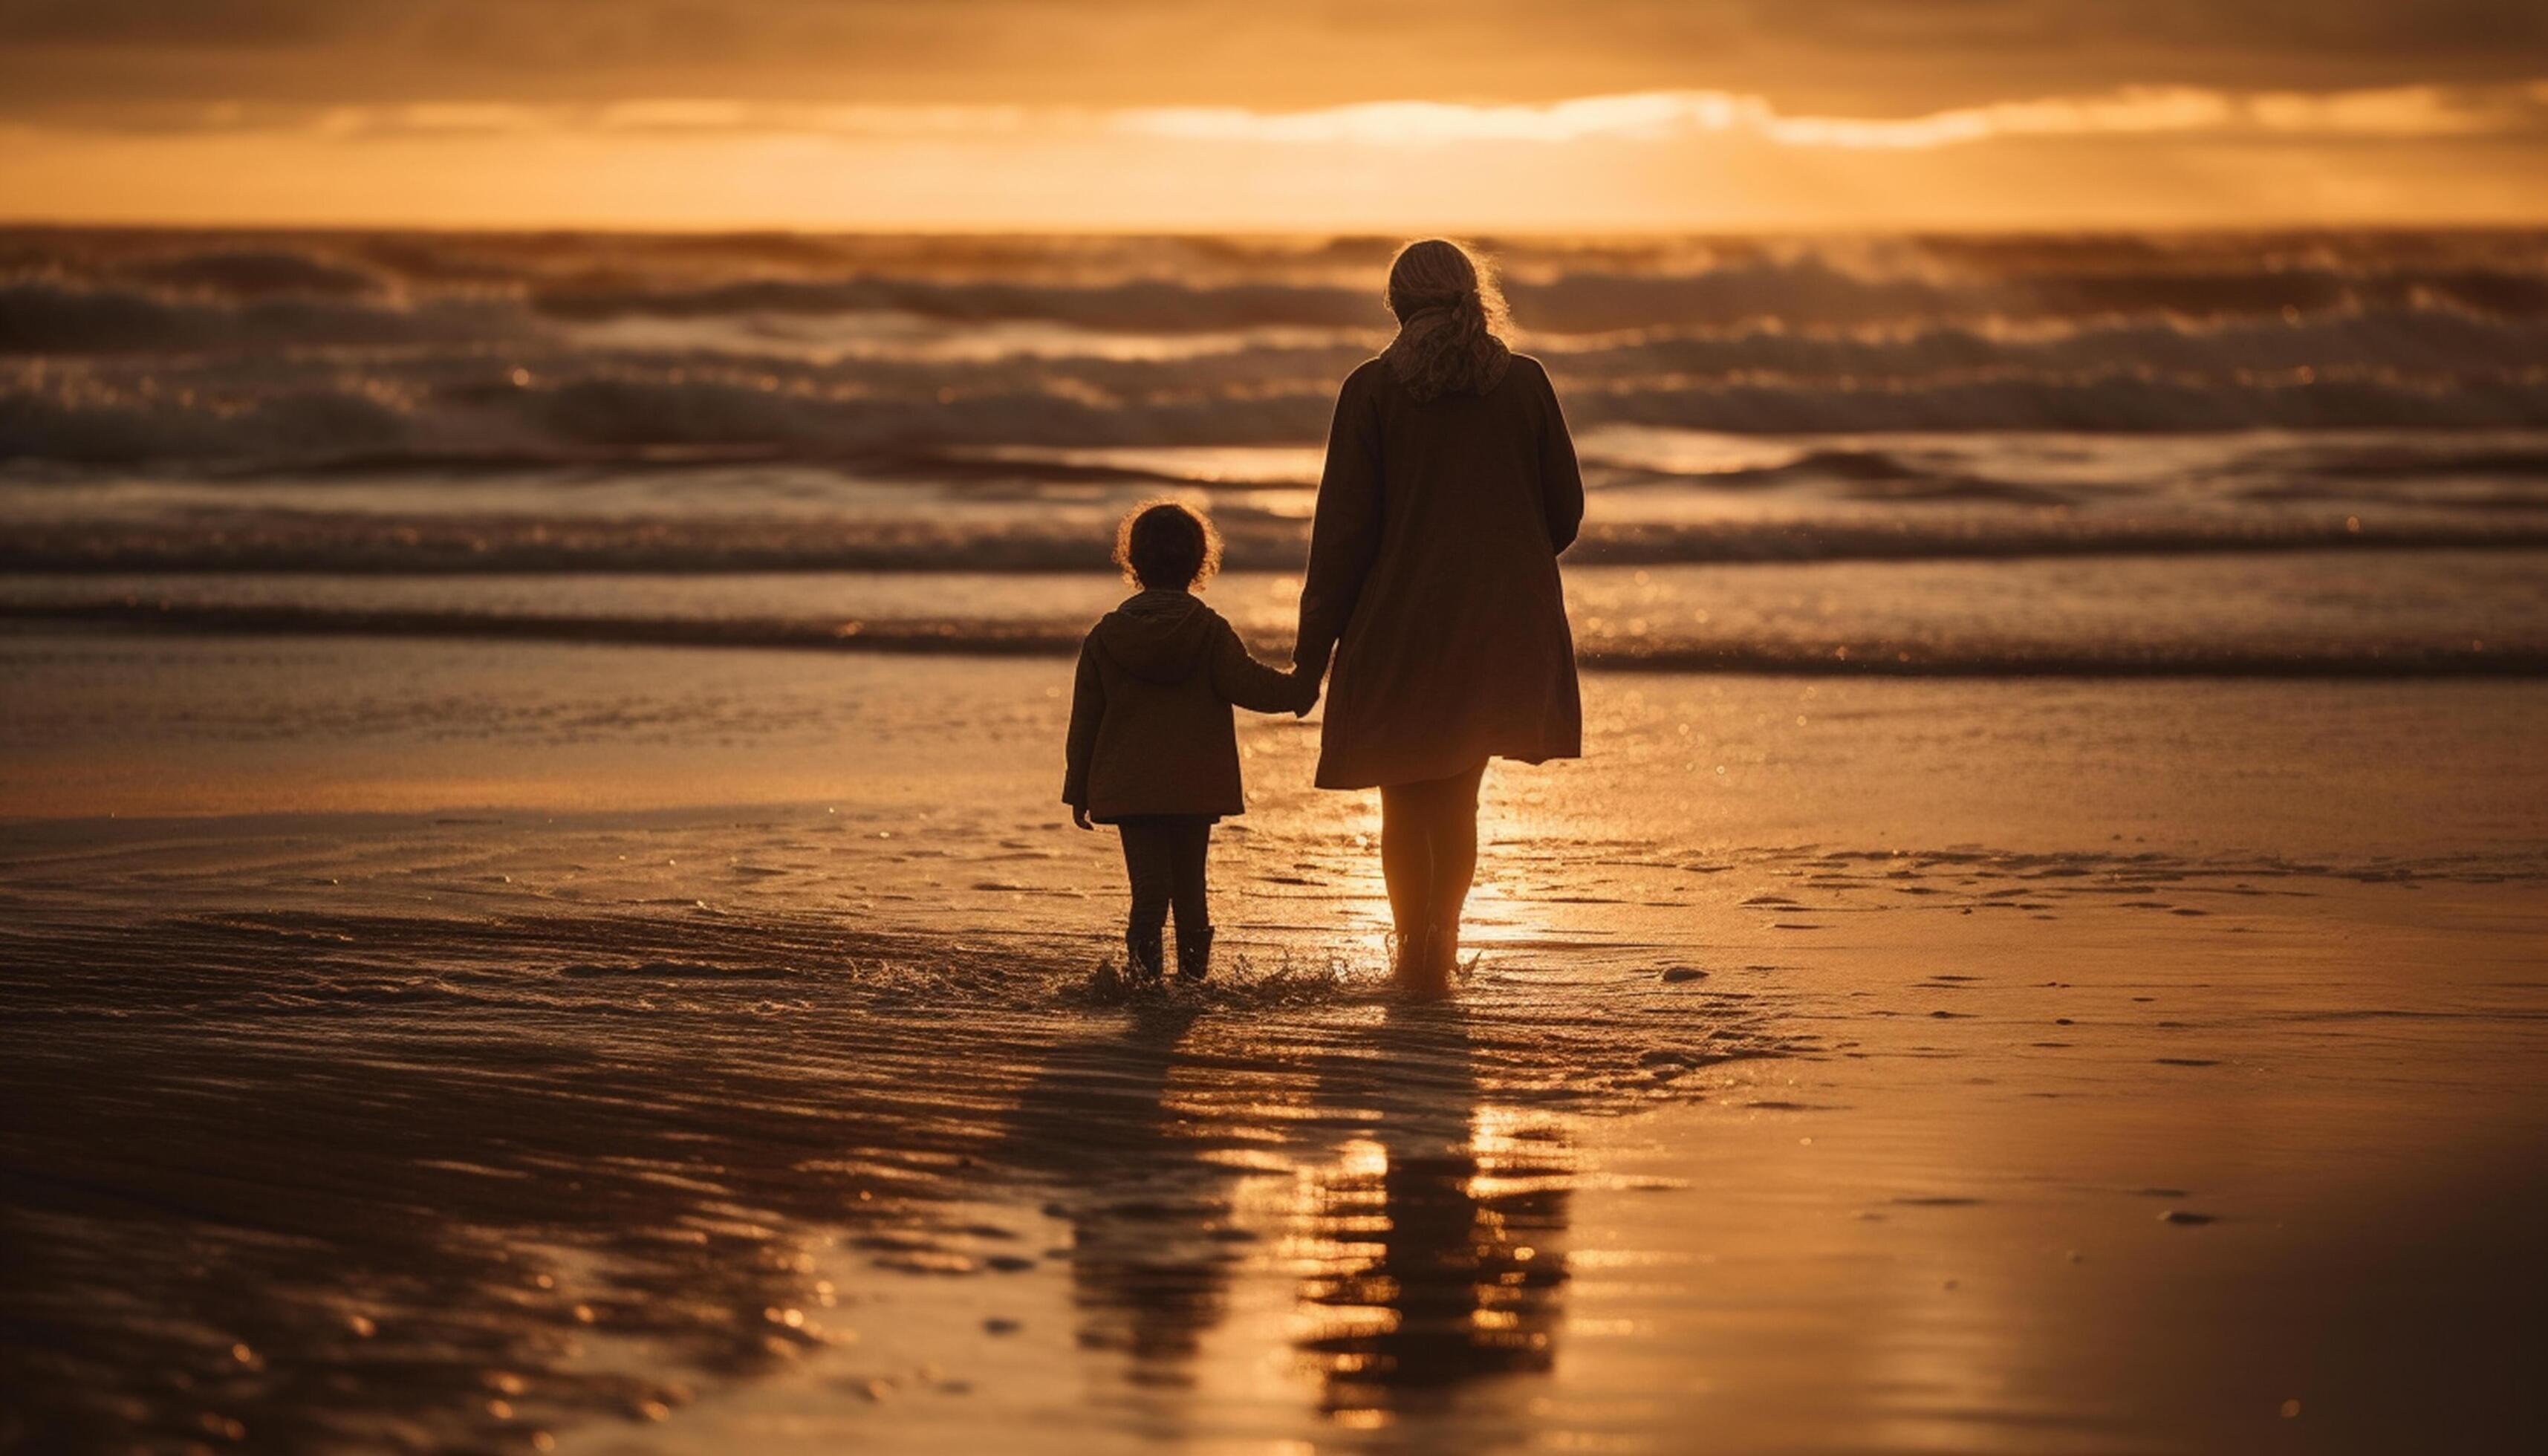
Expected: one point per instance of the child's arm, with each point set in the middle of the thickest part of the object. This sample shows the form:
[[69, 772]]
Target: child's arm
[[1241, 680], [1087, 709]]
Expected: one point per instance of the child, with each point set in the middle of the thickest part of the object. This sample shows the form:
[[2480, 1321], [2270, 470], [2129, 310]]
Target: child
[[1152, 751]]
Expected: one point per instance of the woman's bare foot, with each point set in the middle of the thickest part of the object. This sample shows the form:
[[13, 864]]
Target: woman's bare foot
[[1425, 964]]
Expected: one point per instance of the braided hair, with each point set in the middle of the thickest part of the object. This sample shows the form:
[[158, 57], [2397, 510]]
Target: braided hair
[[1450, 322]]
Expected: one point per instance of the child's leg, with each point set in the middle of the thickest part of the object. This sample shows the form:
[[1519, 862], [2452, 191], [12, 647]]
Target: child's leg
[[1151, 864], [1191, 848], [1193, 896]]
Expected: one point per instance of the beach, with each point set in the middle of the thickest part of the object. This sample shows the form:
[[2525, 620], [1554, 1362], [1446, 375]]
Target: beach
[[539, 916], [2029, 1066]]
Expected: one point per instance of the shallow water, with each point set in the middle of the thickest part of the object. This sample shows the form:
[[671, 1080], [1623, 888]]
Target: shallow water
[[2282, 615], [692, 1092]]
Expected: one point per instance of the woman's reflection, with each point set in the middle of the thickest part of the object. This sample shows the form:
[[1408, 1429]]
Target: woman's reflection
[[1436, 1241]]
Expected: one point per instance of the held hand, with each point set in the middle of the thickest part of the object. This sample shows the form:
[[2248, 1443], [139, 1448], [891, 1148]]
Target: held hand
[[1079, 816], [1305, 684]]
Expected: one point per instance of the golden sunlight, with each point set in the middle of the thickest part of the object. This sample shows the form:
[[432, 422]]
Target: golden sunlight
[[1145, 727], [1692, 158]]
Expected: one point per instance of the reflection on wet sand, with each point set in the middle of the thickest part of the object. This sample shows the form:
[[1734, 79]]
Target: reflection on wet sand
[[1424, 1228], [1434, 1247], [268, 1182], [412, 1181], [1152, 1248]]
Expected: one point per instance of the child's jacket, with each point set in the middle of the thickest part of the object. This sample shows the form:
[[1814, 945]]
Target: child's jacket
[[1150, 730]]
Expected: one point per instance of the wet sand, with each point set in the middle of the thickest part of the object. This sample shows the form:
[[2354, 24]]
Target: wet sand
[[624, 1049]]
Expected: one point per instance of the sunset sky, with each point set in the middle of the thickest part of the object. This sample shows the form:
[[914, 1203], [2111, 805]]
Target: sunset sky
[[1274, 114]]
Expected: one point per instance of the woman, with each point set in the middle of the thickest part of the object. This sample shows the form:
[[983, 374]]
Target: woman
[[1450, 489]]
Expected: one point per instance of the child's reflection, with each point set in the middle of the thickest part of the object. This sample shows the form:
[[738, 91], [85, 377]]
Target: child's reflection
[[1150, 1255]]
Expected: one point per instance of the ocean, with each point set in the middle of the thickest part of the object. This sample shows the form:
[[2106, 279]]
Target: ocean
[[2240, 454]]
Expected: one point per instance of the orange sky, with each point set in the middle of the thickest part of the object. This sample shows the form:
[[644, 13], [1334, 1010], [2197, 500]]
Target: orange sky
[[1143, 113]]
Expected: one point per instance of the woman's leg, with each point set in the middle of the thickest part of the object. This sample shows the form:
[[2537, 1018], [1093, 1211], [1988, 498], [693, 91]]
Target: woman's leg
[[1428, 854], [1451, 831], [1405, 858]]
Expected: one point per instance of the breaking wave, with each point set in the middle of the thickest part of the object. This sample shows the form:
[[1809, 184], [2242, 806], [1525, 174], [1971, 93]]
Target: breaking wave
[[1029, 541], [499, 411], [250, 351], [1907, 656]]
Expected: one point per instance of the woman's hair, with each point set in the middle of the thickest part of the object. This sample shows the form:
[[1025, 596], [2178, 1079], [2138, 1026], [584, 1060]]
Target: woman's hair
[[1167, 545], [1451, 320]]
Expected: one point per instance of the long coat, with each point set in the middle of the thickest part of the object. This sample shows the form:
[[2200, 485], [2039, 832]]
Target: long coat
[[1151, 731], [1433, 571]]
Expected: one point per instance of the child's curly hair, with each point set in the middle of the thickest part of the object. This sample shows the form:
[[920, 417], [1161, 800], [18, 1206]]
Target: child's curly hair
[[1167, 545]]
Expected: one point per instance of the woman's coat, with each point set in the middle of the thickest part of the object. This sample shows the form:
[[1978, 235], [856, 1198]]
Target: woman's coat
[[1433, 575]]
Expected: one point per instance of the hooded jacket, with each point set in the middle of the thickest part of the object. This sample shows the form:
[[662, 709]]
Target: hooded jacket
[[1150, 730]]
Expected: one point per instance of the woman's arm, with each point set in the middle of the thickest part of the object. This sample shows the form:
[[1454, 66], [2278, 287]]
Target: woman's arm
[[1087, 709], [1560, 480], [1344, 533]]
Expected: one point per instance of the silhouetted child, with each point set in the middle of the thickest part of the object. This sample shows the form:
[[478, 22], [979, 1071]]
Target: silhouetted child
[[1153, 749]]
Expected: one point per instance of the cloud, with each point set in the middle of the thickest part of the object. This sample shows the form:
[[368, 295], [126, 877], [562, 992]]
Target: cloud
[[2398, 112], [2394, 113], [1274, 114], [1837, 57]]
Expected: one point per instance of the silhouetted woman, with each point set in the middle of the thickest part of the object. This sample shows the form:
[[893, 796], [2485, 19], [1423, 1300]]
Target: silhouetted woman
[[1450, 489]]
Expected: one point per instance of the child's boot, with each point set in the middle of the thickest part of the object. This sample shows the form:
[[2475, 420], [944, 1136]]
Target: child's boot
[[1194, 954], [1143, 949]]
